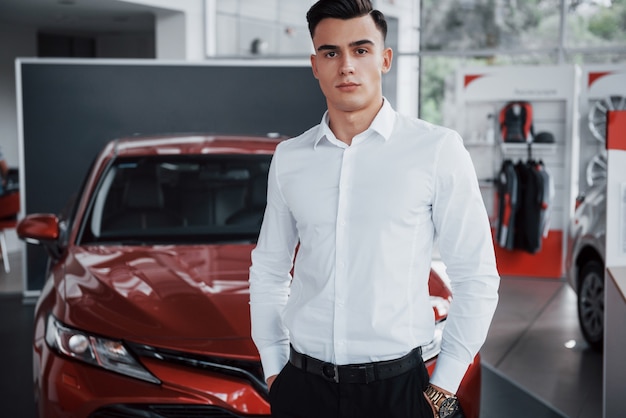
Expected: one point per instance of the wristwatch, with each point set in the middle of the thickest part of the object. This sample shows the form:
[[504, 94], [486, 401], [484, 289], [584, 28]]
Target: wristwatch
[[445, 405]]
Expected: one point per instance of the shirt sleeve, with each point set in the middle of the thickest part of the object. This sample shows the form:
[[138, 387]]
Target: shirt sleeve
[[466, 247], [270, 277]]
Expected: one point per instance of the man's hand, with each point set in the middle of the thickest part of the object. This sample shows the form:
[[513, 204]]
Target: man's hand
[[270, 380]]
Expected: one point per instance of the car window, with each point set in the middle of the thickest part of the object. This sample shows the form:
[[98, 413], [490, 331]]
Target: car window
[[178, 199]]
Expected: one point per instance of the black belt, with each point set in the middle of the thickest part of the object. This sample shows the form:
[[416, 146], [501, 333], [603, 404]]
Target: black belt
[[356, 373]]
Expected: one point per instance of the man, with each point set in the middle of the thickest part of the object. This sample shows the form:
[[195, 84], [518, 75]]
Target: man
[[362, 196]]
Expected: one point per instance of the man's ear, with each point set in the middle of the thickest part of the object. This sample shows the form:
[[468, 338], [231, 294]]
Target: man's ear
[[387, 58], [313, 65]]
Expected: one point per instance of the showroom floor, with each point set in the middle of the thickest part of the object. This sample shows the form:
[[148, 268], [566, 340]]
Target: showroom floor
[[535, 361]]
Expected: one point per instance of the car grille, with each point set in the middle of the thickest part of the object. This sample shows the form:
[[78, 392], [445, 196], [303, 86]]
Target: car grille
[[250, 371], [166, 411]]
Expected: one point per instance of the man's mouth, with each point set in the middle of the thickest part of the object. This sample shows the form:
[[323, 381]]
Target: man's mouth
[[347, 86]]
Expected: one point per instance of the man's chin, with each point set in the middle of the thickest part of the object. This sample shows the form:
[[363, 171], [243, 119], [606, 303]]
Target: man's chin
[[351, 104]]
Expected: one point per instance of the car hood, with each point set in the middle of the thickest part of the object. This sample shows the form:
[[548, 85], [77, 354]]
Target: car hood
[[191, 298]]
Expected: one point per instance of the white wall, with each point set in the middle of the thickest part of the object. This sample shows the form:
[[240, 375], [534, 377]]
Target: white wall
[[280, 23], [15, 41], [180, 29]]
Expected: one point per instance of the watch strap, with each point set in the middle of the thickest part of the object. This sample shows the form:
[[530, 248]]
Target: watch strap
[[436, 396]]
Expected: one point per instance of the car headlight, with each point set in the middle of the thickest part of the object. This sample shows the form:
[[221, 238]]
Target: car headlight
[[433, 348], [101, 352]]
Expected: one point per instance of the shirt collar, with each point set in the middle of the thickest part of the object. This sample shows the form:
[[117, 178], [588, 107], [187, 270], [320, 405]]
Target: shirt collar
[[382, 124]]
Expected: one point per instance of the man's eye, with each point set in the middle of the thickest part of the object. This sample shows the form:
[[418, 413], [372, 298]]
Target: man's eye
[[361, 51], [331, 54]]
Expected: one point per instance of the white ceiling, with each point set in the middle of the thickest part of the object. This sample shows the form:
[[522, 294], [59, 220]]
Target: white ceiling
[[78, 15]]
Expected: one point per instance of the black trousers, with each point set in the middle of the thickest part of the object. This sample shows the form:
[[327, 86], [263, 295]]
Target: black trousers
[[298, 394]]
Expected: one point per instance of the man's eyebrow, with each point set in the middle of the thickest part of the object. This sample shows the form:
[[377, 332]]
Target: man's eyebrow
[[362, 42], [327, 47]]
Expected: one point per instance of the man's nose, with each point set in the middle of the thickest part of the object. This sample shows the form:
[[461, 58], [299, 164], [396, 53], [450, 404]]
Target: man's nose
[[347, 67]]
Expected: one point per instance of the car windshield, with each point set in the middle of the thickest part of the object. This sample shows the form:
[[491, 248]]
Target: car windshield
[[178, 199]]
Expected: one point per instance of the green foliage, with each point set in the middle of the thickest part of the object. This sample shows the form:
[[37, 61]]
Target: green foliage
[[434, 71], [436, 75], [526, 25], [610, 23]]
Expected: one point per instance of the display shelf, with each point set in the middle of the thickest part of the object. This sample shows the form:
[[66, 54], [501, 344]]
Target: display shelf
[[540, 149], [478, 144], [481, 93]]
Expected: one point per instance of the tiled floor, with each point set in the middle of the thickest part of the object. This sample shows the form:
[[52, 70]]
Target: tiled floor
[[11, 282], [535, 342], [535, 361]]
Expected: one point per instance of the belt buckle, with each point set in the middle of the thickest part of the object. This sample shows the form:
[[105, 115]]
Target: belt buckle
[[331, 371]]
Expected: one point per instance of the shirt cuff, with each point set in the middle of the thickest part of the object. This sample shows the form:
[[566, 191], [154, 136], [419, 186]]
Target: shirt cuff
[[274, 359], [449, 373]]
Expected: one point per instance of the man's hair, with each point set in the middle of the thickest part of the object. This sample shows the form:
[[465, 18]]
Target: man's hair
[[344, 9]]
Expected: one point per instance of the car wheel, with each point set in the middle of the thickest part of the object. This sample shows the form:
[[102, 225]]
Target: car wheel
[[591, 303]]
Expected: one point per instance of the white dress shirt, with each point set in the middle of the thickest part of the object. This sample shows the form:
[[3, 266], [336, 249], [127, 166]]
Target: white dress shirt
[[365, 217]]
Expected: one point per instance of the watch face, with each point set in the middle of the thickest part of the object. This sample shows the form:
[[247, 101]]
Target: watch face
[[448, 407]]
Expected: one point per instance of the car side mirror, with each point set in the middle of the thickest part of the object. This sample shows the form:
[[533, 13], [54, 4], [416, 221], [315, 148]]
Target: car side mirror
[[41, 229], [38, 228]]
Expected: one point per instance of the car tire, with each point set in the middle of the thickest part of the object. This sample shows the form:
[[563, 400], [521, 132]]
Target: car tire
[[591, 303]]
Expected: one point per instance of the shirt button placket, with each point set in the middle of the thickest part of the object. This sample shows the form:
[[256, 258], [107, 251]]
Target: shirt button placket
[[341, 257]]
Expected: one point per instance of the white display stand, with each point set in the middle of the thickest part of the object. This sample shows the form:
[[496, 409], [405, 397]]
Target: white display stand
[[603, 87], [615, 277], [553, 91]]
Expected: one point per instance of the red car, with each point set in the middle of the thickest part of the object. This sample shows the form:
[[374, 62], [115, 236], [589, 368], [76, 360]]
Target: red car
[[145, 307]]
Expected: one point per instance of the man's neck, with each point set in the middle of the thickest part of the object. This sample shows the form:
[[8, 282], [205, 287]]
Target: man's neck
[[345, 125]]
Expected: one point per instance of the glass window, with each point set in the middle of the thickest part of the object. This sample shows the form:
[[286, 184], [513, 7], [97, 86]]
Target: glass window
[[181, 199], [596, 23], [489, 24], [253, 28], [597, 57]]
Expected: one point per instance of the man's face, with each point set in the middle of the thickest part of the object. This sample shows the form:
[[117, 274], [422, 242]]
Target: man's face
[[349, 61]]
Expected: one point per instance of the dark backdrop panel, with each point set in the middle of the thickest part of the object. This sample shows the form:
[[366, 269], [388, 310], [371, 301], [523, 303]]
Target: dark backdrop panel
[[71, 109]]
